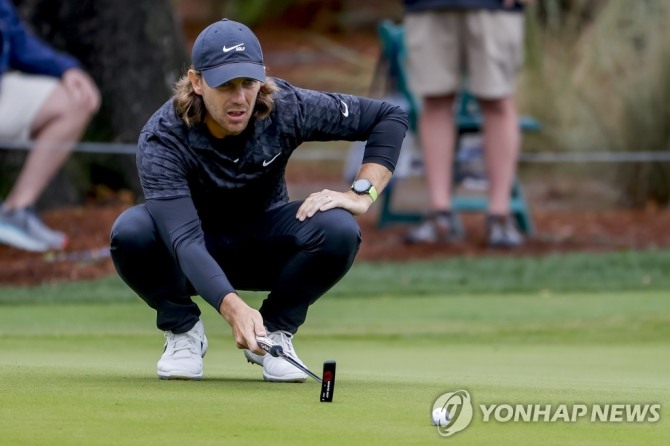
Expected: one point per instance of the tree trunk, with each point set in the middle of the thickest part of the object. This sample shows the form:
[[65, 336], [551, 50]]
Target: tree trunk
[[134, 51]]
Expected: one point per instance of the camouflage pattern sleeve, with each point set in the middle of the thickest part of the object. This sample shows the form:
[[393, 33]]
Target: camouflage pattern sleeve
[[162, 169], [319, 116]]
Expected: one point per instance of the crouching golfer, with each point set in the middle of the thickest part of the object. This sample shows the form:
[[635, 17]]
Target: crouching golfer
[[217, 218]]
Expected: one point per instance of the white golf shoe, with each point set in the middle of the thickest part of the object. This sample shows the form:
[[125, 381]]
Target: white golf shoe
[[182, 358], [278, 369]]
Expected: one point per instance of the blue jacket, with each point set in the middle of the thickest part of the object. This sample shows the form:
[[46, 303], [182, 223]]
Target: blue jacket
[[20, 50], [427, 5]]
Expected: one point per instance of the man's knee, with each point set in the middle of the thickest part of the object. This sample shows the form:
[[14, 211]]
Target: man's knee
[[133, 229], [341, 231], [440, 102], [64, 103], [501, 107]]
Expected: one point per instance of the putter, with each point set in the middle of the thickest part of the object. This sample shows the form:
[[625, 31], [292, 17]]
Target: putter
[[277, 350], [328, 381]]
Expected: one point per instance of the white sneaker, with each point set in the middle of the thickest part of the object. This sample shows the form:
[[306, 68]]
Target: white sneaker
[[278, 369], [182, 358]]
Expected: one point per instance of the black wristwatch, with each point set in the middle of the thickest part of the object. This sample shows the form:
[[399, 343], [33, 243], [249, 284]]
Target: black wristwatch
[[363, 186]]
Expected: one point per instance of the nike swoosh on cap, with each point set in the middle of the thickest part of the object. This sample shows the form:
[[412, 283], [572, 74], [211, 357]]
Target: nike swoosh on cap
[[227, 49]]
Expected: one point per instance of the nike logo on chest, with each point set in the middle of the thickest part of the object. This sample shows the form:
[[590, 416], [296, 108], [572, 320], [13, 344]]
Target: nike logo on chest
[[268, 162]]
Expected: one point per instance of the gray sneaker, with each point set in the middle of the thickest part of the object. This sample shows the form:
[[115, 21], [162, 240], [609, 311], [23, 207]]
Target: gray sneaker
[[23, 229], [438, 227], [502, 232]]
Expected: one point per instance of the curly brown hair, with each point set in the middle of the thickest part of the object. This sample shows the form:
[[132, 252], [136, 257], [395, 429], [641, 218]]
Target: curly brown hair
[[191, 108]]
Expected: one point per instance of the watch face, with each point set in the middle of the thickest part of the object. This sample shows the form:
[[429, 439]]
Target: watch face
[[361, 185]]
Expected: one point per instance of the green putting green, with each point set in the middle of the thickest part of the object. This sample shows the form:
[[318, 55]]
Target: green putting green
[[84, 373]]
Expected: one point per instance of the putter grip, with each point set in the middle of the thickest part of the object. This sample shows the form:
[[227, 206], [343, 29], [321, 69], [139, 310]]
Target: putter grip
[[269, 346]]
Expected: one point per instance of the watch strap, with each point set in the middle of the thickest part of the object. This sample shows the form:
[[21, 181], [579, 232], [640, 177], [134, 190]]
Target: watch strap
[[373, 193]]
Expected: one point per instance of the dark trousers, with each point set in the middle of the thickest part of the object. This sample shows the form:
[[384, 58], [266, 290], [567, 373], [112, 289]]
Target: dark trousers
[[297, 262]]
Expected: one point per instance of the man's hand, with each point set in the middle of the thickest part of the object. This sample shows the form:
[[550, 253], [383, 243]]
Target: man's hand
[[246, 322], [328, 199]]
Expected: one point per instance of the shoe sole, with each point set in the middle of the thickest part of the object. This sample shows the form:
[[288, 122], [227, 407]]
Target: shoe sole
[[183, 376], [290, 379]]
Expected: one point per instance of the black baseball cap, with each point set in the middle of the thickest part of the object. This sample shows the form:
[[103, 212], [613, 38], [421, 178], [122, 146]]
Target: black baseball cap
[[226, 50]]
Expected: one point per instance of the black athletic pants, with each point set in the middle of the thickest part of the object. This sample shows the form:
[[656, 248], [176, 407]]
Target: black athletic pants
[[297, 262]]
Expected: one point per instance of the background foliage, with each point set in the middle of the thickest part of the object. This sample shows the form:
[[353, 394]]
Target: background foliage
[[598, 76], [134, 51]]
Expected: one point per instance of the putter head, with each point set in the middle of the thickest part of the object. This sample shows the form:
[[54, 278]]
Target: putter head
[[328, 382]]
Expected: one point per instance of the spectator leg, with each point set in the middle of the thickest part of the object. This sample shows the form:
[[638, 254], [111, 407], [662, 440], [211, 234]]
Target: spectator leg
[[58, 126], [438, 140], [502, 139]]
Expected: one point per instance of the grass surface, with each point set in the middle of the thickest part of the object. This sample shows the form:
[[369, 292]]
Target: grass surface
[[82, 372], [598, 273]]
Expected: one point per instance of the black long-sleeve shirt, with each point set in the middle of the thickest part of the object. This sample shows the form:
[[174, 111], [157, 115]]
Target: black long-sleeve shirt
[[194, 183]]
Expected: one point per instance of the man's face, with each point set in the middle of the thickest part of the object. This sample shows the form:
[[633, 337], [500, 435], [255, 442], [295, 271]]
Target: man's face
[[229, 106]]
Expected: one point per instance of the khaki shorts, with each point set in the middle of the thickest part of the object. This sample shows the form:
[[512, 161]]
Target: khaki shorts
[[479, 50], [21, 97]]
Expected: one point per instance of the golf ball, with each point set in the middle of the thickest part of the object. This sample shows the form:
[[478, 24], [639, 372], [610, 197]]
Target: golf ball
[[441, 417]]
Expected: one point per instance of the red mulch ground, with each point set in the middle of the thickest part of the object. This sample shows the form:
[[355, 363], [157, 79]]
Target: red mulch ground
[[556, 232]]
